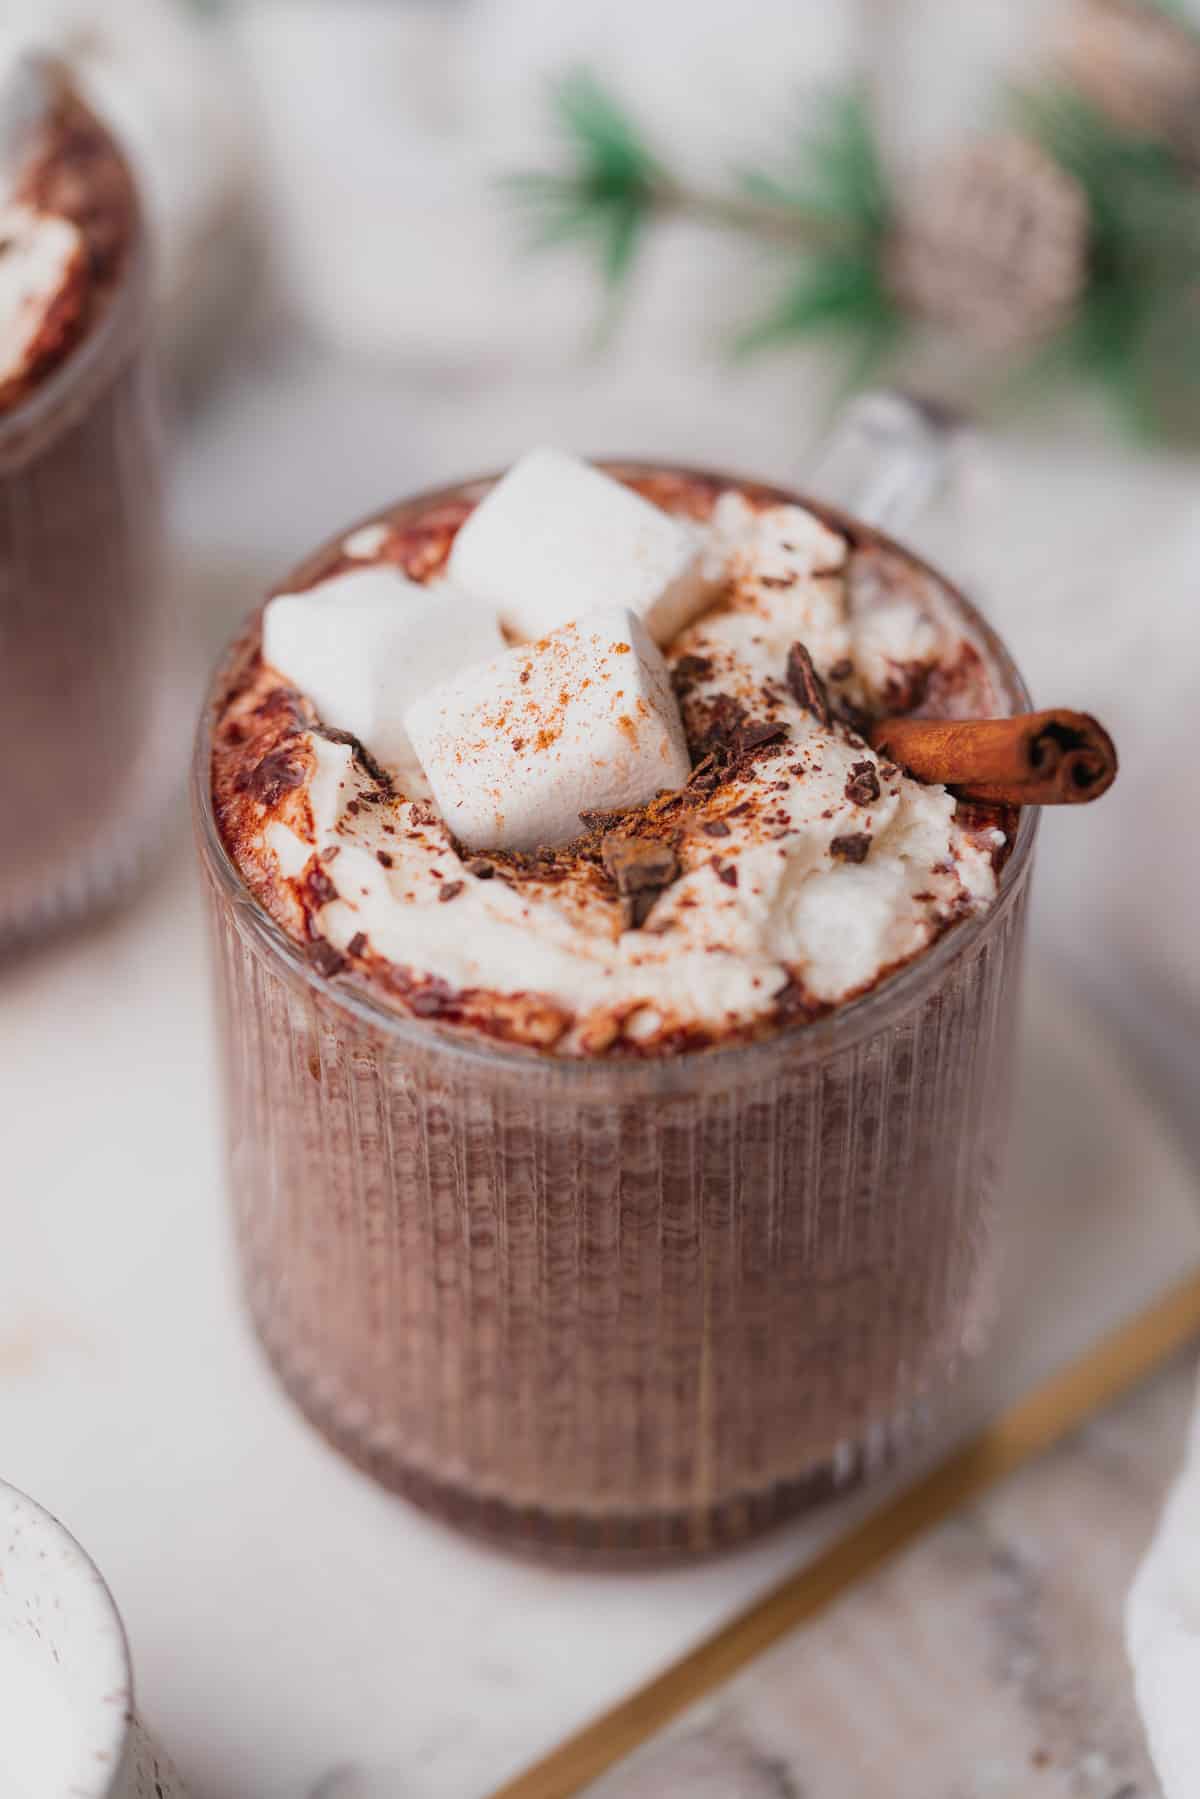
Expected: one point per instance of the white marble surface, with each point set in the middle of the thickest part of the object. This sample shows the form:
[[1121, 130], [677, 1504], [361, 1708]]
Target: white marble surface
[[1006, 1675], [287, 1619]]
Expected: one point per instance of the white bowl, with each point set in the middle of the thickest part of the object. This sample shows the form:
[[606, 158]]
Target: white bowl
[[66, 1682]]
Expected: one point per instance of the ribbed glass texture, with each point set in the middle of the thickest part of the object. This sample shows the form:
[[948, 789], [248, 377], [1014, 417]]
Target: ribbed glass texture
[[613, 1310], [82, 771]]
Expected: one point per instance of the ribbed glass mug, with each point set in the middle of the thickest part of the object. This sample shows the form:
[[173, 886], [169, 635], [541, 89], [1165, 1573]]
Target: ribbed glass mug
[[617, 1309], [85, 774]]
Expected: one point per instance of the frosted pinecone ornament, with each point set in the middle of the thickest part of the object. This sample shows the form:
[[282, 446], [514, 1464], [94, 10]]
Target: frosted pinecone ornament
[[991, 243]]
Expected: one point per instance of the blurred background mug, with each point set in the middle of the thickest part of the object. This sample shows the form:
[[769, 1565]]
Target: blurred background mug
[[85, 711], [67, 1723]]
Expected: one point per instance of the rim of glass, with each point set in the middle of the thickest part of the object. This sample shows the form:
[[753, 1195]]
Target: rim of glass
[[69, 382], [841, 1029]]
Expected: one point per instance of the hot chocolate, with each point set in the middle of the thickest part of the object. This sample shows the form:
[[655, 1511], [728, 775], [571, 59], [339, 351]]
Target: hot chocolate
[[618, 1191], [80, 566]]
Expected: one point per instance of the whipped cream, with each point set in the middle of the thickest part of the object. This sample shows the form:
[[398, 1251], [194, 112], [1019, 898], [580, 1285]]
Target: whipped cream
[[806, 867]]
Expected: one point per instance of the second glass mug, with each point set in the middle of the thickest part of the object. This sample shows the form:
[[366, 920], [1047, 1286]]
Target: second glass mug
[[624, 1310], [89, 744]]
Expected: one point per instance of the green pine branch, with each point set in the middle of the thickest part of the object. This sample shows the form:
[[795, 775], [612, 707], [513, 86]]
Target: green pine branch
[[825, 208], [1136, 329]]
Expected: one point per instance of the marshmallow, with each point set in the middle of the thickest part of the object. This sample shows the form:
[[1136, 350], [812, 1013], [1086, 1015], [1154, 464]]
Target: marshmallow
[[365, 643], [556, 538], [43, 277], [516, 748]]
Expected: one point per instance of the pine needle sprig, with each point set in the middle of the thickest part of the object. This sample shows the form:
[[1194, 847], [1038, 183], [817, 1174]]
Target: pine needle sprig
[[834, 175], [1136, 328], [835, 170], [826, 208], [605, 196]]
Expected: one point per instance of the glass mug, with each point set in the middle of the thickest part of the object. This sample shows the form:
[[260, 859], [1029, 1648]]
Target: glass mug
[[614, 1310], [85, 770]]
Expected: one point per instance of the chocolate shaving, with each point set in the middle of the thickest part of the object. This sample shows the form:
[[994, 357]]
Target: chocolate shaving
[[638, 907], [715, 827], [362, 755], [319, 887], [451, 890], [725, 871], [639, 864], [854, 847], [384, 859], [862, 787], [357, 944], [422, 813], [756, 735], [724, 720], [324, 958], [842, 669], [806, 686], [603, 818], [853, 717], [688, 671], [481, 868]]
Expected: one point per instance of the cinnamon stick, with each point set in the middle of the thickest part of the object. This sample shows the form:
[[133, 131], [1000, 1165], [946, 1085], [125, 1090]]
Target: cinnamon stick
[[1052, 758]]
